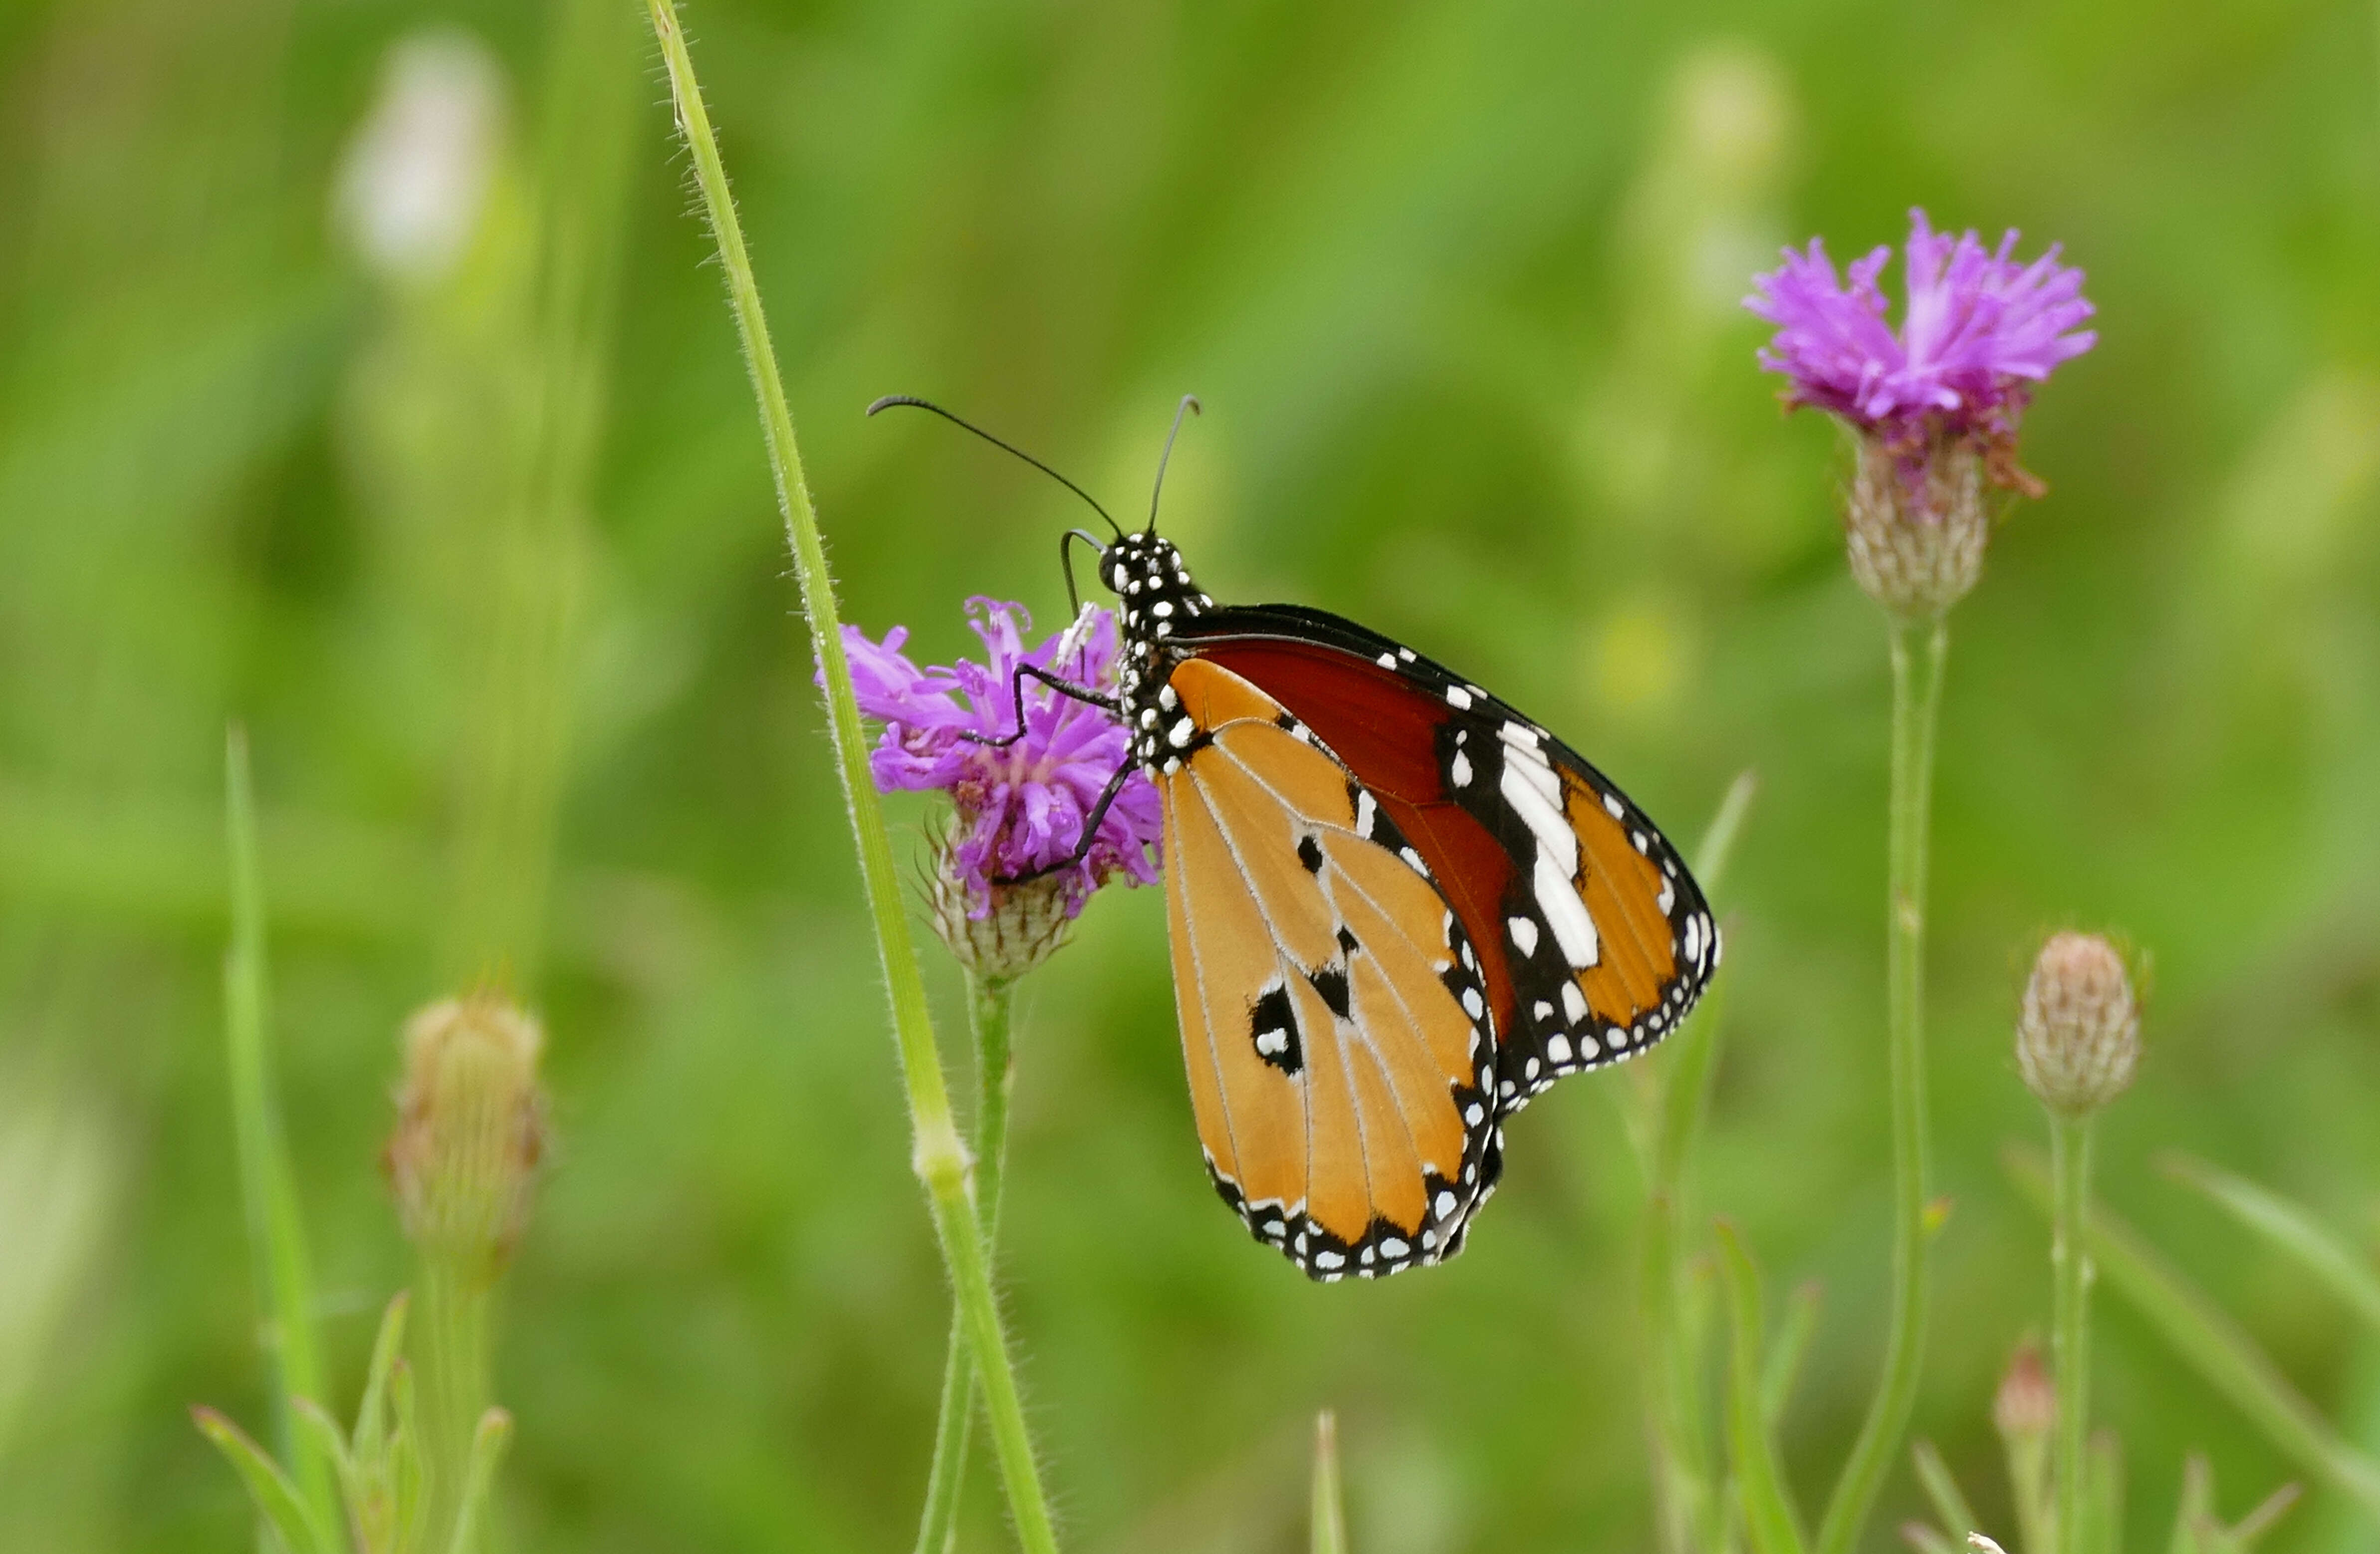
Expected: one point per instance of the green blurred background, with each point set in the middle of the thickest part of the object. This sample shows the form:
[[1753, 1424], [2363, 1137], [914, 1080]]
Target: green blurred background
[[449, 486]]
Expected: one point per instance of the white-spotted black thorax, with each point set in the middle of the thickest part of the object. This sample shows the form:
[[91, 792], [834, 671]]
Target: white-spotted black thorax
[[1153, 593]]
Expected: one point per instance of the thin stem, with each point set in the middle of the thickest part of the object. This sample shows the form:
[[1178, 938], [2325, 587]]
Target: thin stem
[[1328, 1531], [1916, 711], [989, 1007], [277, 1232], [452, 1331], [2070, 1171], [939, 1157]]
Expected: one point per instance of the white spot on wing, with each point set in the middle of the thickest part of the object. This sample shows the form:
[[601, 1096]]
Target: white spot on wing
[[1574, 929], [1457, 697]]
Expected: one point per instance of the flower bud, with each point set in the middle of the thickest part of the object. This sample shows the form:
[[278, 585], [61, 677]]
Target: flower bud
[[2027, 1405], [1005, 931], [2078, 1038], [471, 1130], [1915, 523]]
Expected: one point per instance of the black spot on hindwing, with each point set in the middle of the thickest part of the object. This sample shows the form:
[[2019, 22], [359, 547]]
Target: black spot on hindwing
[[1331, 982], [1309, 853], [1272, 1026]]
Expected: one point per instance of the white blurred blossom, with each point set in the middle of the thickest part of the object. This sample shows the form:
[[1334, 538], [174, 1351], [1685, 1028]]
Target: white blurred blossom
[[414, 181]]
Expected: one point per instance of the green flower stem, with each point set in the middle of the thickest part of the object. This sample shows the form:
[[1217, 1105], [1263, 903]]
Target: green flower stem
[[2211, 1343], [1916, 711], [940, 1158], [2070, 1352], [1328, 1534], [988, 1008], [276, 1234], [451, 1325]]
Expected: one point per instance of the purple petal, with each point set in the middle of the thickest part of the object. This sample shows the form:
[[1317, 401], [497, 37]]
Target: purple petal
[[1976, 326]]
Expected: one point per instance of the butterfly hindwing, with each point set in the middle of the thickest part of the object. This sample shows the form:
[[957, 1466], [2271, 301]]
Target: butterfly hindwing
[[1333, 1014], [1592, 936]]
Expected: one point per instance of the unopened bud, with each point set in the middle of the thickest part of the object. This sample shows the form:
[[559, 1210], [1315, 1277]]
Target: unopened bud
[[470, 1131], [2078, 1038], [1916, 522], [2027, 1405], [1001, 939]]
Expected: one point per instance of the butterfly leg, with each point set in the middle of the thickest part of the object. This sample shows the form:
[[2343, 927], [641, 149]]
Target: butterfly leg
[[1016, 694], [1099, 808]]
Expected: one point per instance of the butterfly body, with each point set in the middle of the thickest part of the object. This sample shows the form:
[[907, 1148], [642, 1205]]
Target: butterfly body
[[1398, 910]]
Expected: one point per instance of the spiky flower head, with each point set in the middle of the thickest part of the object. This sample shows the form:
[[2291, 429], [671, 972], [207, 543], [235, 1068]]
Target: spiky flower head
[[1018, 809], [2078, 1038], [470, 1132], [1935, 405]]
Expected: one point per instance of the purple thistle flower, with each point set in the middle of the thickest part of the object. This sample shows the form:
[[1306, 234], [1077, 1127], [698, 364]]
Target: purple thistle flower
[[1022, 807], [1979, 332], [1935, 404]]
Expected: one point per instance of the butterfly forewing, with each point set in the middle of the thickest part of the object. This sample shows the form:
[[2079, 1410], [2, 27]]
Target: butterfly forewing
[[1334, 1016], [1592, 939]]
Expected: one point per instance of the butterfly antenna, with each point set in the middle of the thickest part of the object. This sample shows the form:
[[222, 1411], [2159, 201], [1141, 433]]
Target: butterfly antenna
[[891, 399], [1189, 405]]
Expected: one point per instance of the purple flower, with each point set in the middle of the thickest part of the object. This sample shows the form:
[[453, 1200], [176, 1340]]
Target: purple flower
[[1022, 807], [1980, 331]]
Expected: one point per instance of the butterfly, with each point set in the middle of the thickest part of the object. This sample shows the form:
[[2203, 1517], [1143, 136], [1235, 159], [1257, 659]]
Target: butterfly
[[1399, 909]]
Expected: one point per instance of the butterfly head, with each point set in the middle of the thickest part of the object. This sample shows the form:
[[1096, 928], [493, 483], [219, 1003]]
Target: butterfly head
[[1152, 586]]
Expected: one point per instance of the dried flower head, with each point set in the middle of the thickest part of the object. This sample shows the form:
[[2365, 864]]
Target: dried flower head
[[470, 1131], [1934, 405], [2078, 1038], [1019, 808]]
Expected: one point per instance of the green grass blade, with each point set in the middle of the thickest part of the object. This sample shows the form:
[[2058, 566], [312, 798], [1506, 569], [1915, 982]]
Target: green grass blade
[[276, 1236], [1717, 845], [371, 1435], [1674, 1370], [1942, 1488], [288, 1517], [407, 1491], [1768, 1515], [2257, 1523], [2103, 1506], [1787, 1353], [488, 1444], [2213, 1345], [2292, 1229], [1330, 1501]]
